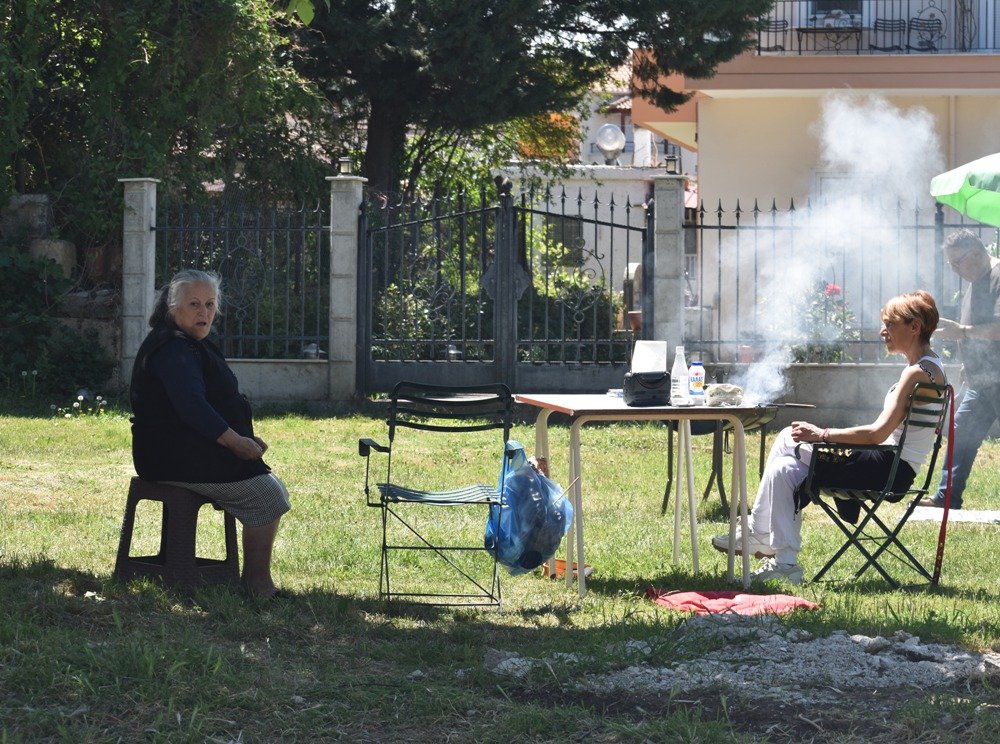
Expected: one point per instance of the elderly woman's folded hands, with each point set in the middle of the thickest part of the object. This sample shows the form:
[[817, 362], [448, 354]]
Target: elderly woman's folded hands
[[245, 448]]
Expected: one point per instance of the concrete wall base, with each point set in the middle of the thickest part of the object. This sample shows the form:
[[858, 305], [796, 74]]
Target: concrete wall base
[[282, 380]]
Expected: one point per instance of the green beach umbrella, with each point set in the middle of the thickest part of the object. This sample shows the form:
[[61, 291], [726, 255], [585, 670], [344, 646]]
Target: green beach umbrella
[[972, 189]]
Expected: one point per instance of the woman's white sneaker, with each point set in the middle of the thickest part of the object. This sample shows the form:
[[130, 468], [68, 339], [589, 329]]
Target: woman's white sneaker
[[759, 545], [771, 570]]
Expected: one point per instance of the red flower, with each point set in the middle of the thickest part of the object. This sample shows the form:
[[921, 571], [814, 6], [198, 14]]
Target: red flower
[[832, 290]]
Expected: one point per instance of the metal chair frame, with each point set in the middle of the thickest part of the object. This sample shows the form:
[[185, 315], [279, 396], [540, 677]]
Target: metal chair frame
[[928, 407], [430, 408], [885, 28], [928, 32], [772, 27]]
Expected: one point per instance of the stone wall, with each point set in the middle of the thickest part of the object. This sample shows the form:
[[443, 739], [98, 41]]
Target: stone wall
[[98, 311], [27, 221]]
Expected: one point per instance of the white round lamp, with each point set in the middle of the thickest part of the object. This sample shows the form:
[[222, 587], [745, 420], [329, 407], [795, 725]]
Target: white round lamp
[[610, 141]]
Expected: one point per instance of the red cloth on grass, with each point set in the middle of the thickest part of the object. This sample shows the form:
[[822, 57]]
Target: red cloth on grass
[[738, 603]]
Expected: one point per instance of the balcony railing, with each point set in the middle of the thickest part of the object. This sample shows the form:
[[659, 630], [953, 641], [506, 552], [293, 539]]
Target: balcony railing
[[881, 27]]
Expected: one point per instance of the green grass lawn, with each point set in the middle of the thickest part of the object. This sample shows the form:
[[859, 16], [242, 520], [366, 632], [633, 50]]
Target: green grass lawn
[[85, 659]]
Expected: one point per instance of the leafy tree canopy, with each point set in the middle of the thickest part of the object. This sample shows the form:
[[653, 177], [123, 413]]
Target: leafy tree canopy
[[186, 91], [453, 65]]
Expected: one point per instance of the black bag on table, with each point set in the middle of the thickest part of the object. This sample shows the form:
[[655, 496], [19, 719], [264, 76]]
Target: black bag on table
[[646, 388]]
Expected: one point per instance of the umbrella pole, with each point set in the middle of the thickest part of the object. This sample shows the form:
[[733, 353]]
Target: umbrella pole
[[939, 558]]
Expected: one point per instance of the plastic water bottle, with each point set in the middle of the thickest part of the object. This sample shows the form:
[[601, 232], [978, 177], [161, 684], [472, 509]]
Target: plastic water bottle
[[679, 380], [696, 383]]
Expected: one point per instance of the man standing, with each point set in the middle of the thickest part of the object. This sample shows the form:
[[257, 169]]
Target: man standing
[[978, 336]]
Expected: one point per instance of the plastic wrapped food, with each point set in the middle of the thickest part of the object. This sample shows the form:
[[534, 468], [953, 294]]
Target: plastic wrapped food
[[723, 394]]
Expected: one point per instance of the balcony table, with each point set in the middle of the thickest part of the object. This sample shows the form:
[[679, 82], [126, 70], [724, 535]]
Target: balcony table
[[837, 37]]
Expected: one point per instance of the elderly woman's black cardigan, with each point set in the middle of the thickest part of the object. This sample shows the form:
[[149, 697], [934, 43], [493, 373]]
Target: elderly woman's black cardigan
[[173, 447]]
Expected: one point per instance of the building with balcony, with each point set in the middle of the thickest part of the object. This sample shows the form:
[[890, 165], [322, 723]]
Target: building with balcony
[[921, 79], [754, 123]]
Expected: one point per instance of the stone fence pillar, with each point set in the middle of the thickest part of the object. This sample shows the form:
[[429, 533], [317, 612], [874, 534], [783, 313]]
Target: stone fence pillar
[[668, 262], [138, 266], [345, 204]]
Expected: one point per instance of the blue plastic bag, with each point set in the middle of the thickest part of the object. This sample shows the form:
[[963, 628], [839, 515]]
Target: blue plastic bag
[[533, 517]]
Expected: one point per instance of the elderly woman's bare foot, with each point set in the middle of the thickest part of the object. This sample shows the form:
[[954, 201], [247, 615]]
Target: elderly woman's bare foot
[[266, 592]]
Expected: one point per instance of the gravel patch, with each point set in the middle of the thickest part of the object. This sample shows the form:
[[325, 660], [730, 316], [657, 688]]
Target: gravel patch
[[761, 660]]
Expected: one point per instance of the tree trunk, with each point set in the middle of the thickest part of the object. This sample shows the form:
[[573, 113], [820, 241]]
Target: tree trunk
[[384, 152]]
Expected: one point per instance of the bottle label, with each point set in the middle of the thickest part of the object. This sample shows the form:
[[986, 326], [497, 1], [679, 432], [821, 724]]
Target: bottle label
[[696, 380]]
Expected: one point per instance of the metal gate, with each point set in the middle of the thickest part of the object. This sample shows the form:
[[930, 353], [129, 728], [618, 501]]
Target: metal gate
[[524, 290]]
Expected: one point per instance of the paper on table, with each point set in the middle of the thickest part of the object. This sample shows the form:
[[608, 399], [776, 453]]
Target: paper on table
[[649, 356]]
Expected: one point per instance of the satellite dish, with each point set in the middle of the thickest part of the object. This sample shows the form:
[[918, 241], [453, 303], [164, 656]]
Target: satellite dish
[[610, 141]]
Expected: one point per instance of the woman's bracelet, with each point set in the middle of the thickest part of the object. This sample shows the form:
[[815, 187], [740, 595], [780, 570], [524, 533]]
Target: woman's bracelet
[[826, 435]]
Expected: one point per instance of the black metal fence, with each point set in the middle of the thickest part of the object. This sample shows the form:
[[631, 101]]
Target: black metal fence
[[274, 263], [807, 285], [880, 27], [487, 287]]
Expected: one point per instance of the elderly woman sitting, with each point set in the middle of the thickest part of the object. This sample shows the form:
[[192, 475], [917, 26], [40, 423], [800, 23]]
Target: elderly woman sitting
[[192, 427]]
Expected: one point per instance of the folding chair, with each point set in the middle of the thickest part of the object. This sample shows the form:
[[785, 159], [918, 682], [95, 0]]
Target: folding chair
[[927, 409], [411, 461]]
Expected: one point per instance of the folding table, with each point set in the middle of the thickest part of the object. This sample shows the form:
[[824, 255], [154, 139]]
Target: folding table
[[586, 408]]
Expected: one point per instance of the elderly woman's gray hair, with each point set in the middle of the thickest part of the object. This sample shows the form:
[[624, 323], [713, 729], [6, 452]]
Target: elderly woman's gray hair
[[170, 295]]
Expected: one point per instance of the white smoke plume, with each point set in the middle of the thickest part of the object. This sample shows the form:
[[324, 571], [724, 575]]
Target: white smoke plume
[[875, 157]]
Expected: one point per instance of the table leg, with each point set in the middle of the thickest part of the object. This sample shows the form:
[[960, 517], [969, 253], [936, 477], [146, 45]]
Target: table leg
[[692, 503], [575, 471], [763, 448], [542, 433], [682, 463], [739, 501], [574, 498], [542, 450]]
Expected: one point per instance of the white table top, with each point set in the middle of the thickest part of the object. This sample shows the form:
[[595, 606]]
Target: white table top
[[576, 404]]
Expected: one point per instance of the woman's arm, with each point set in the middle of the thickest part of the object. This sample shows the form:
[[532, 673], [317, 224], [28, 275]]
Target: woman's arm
[[878, 431], [949, 330]]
